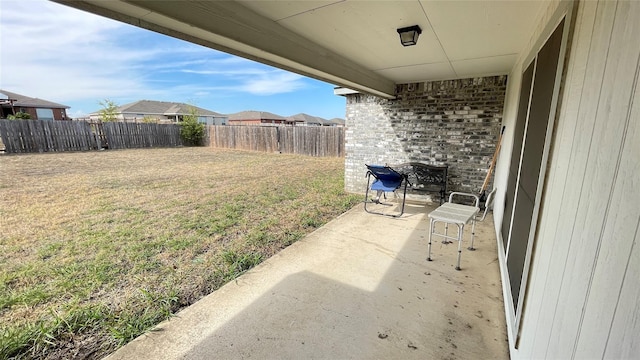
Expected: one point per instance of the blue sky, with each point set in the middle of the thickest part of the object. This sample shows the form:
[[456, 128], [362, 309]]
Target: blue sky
[[57, 53]]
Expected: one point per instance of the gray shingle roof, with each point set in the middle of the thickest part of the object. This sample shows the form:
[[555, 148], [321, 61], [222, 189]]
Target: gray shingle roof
[[337, 121], [26, 101], [150, 107], [309, 119], [255, 115]]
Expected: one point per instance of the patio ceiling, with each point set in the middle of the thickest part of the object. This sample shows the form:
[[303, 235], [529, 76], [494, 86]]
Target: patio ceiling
[[349, 43]]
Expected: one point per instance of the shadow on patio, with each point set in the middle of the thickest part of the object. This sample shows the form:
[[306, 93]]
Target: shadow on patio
[[357, 288]]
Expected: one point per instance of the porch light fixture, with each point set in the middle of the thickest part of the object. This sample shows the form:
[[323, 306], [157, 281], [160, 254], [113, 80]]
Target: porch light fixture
[[409, 35]]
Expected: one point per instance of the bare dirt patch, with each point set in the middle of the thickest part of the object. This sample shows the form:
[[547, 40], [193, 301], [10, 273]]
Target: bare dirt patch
[[97, 247]]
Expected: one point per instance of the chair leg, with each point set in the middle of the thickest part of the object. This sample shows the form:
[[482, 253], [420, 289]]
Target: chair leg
[[366, 197], [404, 197], [366, 200], [366, 194], [473, 235], [446, 240], [460, 232], [431, 224]]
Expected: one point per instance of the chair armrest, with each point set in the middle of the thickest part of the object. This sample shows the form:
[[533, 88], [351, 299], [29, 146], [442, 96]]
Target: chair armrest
[[489, 203], [462, 194]]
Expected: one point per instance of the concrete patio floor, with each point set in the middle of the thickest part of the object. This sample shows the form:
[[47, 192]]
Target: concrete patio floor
[[357, 288]]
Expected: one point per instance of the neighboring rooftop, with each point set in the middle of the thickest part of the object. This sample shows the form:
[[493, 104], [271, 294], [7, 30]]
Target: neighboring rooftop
[[300, 118], [27, 101], [337, 121], [167, 108], [308, 119], [255, 115]]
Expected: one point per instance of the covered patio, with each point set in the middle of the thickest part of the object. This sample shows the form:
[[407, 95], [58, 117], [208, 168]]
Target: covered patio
[[566, 214], [359, 287]]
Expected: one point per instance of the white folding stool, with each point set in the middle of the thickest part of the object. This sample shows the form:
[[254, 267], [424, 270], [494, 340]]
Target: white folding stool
[[459, 215]]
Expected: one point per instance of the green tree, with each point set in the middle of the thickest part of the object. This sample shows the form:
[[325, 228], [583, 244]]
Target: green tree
[[108, 111], [19, 116], [191, 131], [148, 119]]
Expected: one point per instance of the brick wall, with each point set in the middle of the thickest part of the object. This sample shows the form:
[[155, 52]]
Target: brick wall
[[453, 122]]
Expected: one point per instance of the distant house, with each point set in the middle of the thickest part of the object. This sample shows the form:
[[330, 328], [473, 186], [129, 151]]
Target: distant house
[[310, 120], [163, 111], [337, 122], [12, 103], [307, 120], [257, 118]]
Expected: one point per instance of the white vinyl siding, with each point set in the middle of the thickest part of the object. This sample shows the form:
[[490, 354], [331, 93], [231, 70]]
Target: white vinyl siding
[[583, 291]]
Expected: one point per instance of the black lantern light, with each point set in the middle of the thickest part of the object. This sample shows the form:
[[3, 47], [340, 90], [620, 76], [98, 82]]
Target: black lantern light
[[409, 35]]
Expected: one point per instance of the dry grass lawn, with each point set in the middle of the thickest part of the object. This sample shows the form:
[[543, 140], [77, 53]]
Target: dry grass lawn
[[97, 247]]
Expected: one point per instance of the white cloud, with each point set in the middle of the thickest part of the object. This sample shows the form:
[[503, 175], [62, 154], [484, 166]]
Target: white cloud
[[61, 54], [274, 83], [256, 81], [55, 52]]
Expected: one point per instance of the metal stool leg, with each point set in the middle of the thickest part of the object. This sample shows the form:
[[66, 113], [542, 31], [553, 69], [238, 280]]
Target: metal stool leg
[[446, 240], [473, 235], [431, 224], [460, 232]]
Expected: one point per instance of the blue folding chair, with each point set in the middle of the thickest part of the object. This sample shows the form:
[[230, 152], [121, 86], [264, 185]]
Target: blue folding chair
[[385, 180]]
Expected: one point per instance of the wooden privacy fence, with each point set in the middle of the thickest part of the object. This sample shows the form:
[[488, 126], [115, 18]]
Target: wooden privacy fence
[[256, 138], [303, 140], [25, 136], [121, 135], [312, 140]]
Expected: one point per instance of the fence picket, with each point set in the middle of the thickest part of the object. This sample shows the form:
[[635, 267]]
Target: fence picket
[[22, 136], [312, 141]]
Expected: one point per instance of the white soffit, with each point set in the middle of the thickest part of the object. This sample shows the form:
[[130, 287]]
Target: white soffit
[[366, 32], [459, 39], [352, 43], [279, 10], [419, 73], [479, 29], [486, 66]]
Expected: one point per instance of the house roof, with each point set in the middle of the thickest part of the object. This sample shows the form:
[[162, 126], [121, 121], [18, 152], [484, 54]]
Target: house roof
[[308, 119], [254, 115], [337, 121], [151, 107], [26, 101]]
